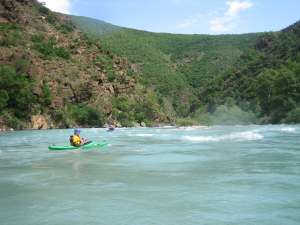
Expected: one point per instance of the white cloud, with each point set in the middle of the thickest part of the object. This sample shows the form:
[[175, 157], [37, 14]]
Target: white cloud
[[236, 6], [62, 6], [230, 19]]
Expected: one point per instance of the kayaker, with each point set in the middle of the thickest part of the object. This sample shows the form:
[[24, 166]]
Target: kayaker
[[111, 128], [76, 140]]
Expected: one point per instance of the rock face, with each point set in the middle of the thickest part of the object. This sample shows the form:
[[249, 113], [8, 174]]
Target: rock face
[[3, 126], [9, 11], [39, 122], [52, 53]]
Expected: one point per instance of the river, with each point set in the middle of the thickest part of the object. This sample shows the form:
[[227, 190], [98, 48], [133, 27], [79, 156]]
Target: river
[[223, 175]]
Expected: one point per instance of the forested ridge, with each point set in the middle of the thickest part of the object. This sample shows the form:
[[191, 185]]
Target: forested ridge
[[223, 79], [266, 79]]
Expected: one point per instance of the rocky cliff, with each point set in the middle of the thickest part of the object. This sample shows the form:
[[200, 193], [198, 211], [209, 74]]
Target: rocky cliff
[[73, 81]]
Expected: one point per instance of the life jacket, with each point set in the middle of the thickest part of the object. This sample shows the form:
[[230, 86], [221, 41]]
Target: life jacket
[[75, 140]]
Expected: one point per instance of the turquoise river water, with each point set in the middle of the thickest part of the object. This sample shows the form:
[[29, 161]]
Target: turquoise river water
[[232, 175]]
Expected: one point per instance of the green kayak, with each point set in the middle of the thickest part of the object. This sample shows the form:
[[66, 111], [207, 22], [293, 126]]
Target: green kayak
[[89, 145]]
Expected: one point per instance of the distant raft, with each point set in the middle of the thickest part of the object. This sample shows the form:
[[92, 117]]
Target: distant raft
[[89, 145]]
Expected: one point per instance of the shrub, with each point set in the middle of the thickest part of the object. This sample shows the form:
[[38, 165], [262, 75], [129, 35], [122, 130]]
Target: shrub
[[11, 38], [62, 117], [21, 65], [13, 121], [124, 110], [140, 117], [89, 116], [3, 99], [126, 118], [143, 112], [185, 122], [37, 38], [46, 97], [6, 27], [62, 52], [58, 115], [45, 48], [202, 116], [66, 28], [111, 76], [43, 10], [51, 19], [106, 63], [122, 104], [49, 48], [18, 88], [293, 116]]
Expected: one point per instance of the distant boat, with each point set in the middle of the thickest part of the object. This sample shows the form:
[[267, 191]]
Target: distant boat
[[110, 129]]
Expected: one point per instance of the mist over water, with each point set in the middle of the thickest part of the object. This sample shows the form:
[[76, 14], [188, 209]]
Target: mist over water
[[165, 176]]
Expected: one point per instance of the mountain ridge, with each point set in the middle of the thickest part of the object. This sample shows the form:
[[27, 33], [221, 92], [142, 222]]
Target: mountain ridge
[[182, 57], [201, 61], [64, 71]]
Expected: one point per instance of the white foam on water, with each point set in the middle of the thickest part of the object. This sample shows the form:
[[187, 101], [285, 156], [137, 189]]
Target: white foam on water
[[201, 138], [138, 150], [141, 135], [276, 128], [166, 127], [288, 129], [144, 135], [191, 128], [241, 136], [186, 128]]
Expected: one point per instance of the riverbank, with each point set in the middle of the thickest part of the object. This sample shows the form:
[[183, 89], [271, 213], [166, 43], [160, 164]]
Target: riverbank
[[5, 129]]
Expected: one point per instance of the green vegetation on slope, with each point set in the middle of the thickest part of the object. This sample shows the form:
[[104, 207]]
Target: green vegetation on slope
[[16, 97], [52, 75], [177, 67], [200, 74], [156, 68], [266, 80]]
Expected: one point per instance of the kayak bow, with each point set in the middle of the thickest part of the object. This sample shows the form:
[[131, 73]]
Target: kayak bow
[[89, 145]]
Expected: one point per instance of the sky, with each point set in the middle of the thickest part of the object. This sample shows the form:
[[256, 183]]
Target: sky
[[187, 16]]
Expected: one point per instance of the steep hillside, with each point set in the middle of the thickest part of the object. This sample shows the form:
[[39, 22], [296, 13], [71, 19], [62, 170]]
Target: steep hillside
[[177, 66], [52, 75], [266, 80], [229, 77]]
